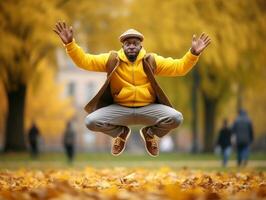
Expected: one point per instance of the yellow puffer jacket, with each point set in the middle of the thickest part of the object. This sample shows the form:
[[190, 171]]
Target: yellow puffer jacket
[[129, 83]]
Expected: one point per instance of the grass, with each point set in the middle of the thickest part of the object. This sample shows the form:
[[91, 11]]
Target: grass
[[95, 156], [102, 160]]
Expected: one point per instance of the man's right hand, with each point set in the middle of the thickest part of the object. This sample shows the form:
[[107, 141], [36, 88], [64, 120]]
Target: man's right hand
[[64, 32]]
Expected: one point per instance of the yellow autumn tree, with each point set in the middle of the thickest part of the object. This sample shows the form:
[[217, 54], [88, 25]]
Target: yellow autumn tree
[[29, 43], [235, 56], [26, 39]]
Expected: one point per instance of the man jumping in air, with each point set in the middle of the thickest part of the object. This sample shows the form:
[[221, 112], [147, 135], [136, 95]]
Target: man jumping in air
[[131, 94]]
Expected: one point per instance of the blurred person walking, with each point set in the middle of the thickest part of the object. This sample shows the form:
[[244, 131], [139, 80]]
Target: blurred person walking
[[33, 138], [131, 94], [243, 130], [69, 142], [224, 142]]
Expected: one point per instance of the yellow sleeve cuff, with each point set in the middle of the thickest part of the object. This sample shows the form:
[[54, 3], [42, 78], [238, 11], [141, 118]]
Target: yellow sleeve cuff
[[70, 45], [191, 56]]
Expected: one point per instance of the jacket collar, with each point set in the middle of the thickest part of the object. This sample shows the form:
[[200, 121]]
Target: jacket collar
[[123, 57]]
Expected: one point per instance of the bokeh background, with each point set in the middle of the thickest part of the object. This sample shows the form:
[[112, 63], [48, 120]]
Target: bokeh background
[[40, 84]]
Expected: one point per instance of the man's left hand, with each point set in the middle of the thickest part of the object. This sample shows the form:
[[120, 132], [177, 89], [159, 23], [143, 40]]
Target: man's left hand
[[199, 44]]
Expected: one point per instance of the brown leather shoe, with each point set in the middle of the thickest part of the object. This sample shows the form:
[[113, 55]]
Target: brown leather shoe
[[119, 143], [151, 142]]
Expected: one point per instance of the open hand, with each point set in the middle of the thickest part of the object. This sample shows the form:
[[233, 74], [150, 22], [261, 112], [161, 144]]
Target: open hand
[[64, 32], [199, 44]]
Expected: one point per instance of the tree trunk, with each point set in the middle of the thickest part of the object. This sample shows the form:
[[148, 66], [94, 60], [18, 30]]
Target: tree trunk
[[14, 133], [209, 122], [194, 100]]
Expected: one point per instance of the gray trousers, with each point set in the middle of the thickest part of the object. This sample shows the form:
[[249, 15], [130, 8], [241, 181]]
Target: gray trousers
[[113, 120]]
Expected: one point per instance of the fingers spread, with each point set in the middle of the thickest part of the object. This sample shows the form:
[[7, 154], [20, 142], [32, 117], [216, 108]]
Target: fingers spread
[[58, 27], [202, 35], [56, 31], [61, 25], [207, 44], [206, 38], [207, 41]]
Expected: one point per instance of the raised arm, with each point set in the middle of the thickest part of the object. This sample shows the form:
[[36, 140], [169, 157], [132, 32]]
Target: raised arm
[[179, 67], [80, 58], [198, 45], [64, 32]]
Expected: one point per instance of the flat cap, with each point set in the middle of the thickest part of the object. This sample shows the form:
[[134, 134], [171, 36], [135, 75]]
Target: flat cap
[[131, 33]]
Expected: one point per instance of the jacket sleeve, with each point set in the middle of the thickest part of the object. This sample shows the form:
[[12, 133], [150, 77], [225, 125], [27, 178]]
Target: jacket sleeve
[[175, 67], [85, 60]]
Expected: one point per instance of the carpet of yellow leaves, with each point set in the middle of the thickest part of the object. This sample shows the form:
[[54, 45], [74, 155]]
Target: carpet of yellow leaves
[[131, 183]]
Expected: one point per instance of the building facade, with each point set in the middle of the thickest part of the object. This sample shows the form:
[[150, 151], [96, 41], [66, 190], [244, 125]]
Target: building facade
[[81, 86]]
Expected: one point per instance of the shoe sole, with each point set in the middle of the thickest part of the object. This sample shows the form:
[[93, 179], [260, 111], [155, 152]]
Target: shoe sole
[[143, 138], [124, 145]]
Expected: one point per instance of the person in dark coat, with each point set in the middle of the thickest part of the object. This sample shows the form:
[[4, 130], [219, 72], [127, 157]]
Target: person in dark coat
[[243, 130], [224, 141], [69, 141], [33, 140]]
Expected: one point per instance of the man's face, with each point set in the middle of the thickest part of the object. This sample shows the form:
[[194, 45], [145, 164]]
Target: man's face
[[132, 47]]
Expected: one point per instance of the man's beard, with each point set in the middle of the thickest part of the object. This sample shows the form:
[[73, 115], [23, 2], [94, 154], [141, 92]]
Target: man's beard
[[131, 58]]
